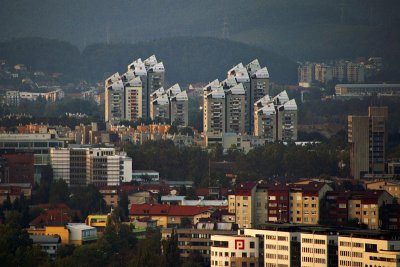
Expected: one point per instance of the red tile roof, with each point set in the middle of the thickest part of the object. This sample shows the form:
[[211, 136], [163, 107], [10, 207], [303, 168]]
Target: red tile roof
[[163, 209], [51, 217], [244, 189]]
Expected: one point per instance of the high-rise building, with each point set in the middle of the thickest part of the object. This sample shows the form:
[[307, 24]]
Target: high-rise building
[[170, 106], [305, 74], [127, 96], [355, 73], [214, 112], [235, 109], [265, 118], [367, 137], [323, 73], [276, 118], [133, 99], [114, 99]]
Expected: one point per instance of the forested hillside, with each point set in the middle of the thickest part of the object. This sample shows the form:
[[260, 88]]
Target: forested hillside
[[186, 59]]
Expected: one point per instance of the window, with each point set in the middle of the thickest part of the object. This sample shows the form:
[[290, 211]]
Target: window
[[251, 244]]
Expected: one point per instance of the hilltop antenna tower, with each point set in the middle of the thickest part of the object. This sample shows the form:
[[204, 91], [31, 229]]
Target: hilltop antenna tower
[[343, 11], [108, 34], [225, 28]]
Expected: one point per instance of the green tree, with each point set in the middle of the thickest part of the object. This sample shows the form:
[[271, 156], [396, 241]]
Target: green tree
[[87, 199], [59, 192], [123, 205], [171, 255]]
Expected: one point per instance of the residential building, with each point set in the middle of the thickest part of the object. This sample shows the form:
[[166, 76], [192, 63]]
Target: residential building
[[198, 239], [360, 90], [367, 137], [390, 217], [323, 73], [127, 96], [265, 119], [305, 202], [110, 195], [12, 98], [355, 72], [47, 243], [98, 221], [305, 74], [276, 118], [242, 204], [114, 100], [238, 250], [214, 112], [133, 99], [169, 215], [392, 187], [80, 233], [170, 106], [357, 208], [235, 109]]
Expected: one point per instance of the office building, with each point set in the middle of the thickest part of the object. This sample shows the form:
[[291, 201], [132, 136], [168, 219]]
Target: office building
[[97, 166], [238, 250], [369, 249], [198, 239], [367, 137]]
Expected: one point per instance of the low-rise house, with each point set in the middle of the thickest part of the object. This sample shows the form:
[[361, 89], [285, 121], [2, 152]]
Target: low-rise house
[[170, 215], [47, 243], [80, 233], [99, 221]]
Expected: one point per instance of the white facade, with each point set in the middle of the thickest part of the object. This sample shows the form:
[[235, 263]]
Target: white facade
[[277, 246], [79, 233], [234, 250], [360, 252], [315, 249], [98, 166]]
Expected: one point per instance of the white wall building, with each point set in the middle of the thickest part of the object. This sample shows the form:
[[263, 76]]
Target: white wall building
[[234, 251], [98, 166]]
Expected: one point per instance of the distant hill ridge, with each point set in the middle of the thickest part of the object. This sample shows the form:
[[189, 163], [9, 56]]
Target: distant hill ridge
[[187, 59]]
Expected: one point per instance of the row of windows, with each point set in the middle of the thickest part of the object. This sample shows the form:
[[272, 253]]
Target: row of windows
[[316, 241], [350, 263], [314, 250], [312, 259], [232, 264], [273, 237], [350, 244], [351, 254]]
